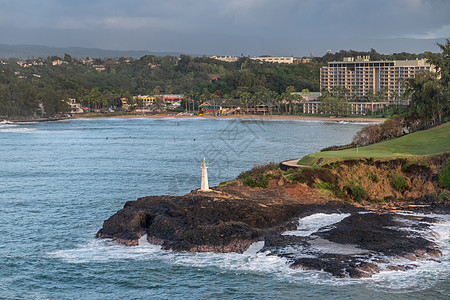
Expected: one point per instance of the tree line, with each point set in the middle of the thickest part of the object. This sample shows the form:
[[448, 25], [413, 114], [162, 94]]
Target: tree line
[[100, 83]]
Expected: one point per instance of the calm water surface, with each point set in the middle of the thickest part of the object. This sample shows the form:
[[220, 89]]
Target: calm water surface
[[59, 181]]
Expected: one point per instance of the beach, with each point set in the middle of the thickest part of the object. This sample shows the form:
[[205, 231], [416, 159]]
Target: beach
[[262, 117]]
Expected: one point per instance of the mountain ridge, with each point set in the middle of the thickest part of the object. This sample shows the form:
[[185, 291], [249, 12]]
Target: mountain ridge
[[28, 51]]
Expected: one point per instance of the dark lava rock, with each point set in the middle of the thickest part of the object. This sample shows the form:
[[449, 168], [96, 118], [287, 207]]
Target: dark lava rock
[[377, 232], [358, 246], [201, 221]]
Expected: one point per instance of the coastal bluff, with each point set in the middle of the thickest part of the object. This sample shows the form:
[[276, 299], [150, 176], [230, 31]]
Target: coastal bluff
[[234, 215], [226, 219]]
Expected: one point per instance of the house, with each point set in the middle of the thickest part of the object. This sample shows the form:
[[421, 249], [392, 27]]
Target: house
[[275, 59], [154, 65], [59, 62], [23, 64], [260, 109], [227, 58], [145, 101], [207, 108], [229, 108], [75, 107], [125, 104], [302, 60], [171, 98], [99, 68], [175, 105]]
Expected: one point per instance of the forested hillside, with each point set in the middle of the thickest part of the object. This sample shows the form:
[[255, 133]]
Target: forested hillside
[[27, 85]]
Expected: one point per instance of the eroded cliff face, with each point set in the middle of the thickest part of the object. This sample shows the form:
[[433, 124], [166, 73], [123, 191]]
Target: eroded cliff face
[[403, 179]]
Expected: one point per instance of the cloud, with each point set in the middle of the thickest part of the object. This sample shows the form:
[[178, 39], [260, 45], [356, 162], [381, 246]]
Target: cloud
[[114, 23], [442, 32], [214, 23]]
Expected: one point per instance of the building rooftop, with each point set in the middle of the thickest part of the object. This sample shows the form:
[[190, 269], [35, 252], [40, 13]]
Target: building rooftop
[[366, 59]]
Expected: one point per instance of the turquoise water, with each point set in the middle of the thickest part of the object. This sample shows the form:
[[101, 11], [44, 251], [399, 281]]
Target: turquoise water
[[59, 181]]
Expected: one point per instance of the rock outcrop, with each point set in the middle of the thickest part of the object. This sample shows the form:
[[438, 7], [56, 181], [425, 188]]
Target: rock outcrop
[[360, 245], [231, 217], [208, 221]]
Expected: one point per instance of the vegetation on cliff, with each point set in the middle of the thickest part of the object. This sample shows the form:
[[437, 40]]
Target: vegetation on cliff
[[412, 167]]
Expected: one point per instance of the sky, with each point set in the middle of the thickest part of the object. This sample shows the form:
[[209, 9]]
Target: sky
[[229, 27]]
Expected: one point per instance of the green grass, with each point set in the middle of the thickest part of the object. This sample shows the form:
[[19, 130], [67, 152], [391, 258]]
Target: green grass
[[426, 142]]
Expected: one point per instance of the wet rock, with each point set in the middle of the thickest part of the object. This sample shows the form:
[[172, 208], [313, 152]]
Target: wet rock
[[232, 218], [377, 232], [359, 246], [201, 222], [400, 267]]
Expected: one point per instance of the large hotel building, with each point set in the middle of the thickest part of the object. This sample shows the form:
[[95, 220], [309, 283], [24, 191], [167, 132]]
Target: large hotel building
[[361, 76]]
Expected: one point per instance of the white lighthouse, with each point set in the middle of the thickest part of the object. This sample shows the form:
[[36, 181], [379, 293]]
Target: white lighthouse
[[204, 186]]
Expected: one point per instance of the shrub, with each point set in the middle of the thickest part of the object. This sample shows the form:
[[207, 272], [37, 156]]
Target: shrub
[[324, 185], [336, 147], [368, 135], [399, 182], [357, 192], [225, 183], [444, 177], [373, 177], [259, 170], [392, 127], [443, 197], [340, 194], [256, 181], [296, 176]]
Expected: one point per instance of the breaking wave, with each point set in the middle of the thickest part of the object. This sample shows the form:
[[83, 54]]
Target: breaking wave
[[425, 275]]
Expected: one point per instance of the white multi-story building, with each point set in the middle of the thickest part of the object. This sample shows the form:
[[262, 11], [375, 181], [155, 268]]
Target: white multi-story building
[[275, 59], [354, 108], [361, 76], [227, 58]]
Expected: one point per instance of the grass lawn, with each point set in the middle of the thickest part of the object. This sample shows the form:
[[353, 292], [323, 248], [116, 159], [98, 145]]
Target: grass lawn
[[426, 142]]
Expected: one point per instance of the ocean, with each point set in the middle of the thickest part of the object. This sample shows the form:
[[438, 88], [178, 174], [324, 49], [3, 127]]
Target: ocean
[[60, 180]]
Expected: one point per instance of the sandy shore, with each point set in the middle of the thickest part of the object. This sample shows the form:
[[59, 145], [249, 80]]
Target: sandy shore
[[256, 117]]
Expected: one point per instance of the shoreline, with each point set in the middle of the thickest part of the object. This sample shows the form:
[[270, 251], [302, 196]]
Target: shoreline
[[247, 117]]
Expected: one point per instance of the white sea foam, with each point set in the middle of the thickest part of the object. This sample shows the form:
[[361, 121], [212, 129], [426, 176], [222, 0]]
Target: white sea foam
[[254, 248], [17, 130], [426, 271], [25, 123], [310, 224], [253, 260], [326, 246]]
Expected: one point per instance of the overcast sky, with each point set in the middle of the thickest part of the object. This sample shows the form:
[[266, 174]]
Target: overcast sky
[[251, 27]]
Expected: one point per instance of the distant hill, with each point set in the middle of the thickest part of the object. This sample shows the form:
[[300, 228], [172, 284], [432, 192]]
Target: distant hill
[[28, 51]]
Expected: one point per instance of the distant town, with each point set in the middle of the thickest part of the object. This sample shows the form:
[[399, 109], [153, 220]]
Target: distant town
[[347, 83]]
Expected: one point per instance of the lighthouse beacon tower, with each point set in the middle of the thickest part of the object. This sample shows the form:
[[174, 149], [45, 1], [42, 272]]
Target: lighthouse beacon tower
[[204, 186]]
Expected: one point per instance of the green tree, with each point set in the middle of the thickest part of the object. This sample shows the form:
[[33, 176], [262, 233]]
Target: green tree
[[245, 99], [427, 99], [334, 106]]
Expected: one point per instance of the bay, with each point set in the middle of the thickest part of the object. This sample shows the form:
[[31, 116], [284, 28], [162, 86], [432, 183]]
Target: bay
[[60, 180]]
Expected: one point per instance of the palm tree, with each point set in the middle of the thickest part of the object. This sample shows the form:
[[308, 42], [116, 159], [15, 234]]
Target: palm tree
[[245, 98]]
